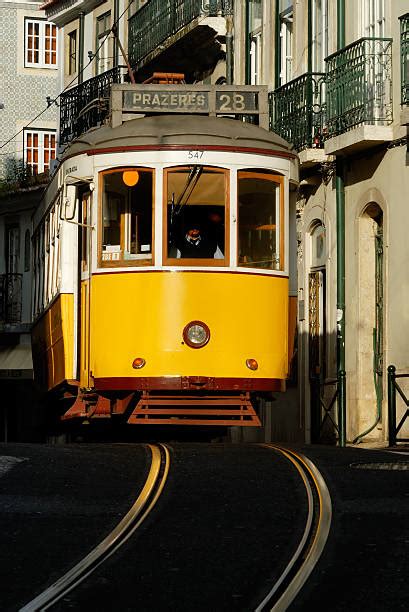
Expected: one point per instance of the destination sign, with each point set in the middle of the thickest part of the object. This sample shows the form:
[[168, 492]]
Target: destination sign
[[160, 101], [211, 100]]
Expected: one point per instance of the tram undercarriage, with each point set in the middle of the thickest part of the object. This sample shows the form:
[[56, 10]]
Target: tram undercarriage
[[153, 407]]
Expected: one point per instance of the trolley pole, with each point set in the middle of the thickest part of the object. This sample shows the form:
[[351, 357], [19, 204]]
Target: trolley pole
[[229, 14], [229, 49]]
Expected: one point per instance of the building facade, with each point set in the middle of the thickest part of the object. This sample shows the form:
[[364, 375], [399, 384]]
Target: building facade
[[340, 75], [28, 140]]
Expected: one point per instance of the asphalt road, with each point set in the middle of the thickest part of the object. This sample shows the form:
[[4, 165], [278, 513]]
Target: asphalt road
[[229, 519]]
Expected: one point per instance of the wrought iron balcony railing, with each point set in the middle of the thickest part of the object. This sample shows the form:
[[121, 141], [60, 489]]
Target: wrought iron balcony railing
[[86, 105], [297, 111], [11, 298], [359, 85], [158, 19], [404, 54]]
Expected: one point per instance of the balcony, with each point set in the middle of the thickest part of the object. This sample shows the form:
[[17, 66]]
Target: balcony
[[297, 114], [359, 96], [404, 55], [87, 105], [10, 299], [161, 28]]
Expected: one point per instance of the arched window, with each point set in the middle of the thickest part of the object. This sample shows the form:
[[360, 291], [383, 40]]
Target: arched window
[[318, 246]]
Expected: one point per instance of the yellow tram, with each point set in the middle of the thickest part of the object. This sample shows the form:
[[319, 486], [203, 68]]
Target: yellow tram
[[161, 271]]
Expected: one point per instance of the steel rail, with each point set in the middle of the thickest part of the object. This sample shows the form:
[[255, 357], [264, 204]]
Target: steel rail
[[313, 539], [143, 505]]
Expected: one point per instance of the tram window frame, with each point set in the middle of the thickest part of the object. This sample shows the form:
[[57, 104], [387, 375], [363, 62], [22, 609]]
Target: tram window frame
[[123, 262], [265, 174], [197, 261]]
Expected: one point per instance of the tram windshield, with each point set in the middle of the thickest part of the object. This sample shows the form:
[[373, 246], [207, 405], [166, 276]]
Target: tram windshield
[[196, 214], [260, 201], [127, 210]]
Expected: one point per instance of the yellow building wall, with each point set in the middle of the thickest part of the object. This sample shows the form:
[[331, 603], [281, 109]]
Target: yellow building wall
[[144, 314]]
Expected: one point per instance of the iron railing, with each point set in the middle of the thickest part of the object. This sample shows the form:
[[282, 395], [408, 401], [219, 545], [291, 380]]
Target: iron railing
[[394, 427], [11, 294], [158, 19], [359, 85], [297, 111], [86, 105], [324, 428], [404, 54]]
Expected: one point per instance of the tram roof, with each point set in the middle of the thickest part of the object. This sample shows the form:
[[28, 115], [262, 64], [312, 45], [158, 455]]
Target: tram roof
[[179, 130]]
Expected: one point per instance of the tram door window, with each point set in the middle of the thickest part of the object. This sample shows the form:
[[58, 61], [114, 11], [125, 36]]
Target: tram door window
[[127, 217], [85, 232], [196, 214], [260, 210]]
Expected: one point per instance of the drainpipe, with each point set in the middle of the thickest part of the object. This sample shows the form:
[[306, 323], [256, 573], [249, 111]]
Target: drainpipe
[[310, 133], [309, 26], [340, 206], [81, 47]]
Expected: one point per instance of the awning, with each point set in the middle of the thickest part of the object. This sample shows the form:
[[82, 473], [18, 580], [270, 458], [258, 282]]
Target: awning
[[16, 362]]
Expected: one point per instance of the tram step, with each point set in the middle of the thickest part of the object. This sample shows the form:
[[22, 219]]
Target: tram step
[[194, 410]]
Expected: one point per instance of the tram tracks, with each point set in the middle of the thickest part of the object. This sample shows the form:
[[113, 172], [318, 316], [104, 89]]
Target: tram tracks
[[145, 502], [314, 537], [313, 534]]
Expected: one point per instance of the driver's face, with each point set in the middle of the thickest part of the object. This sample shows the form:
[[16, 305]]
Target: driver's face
[[194, 232]]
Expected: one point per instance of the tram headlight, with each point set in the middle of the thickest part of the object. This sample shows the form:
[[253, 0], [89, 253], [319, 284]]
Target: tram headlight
[[196, 334]]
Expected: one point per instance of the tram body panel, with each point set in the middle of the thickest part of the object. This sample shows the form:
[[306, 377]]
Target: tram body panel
[[53, 343], [83, 341], [144, 314]]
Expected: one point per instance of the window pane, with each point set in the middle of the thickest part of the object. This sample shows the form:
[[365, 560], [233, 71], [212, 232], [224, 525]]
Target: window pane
[[127, 216], [255, 14], [196, 209], [318, 250], [258, 217], [72, 52], [27, 244]]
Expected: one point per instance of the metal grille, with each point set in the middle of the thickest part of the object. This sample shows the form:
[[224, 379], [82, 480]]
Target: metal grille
[[297, 111], [158, 19], [323, 392], [315, 331], [11, 298], [87, 105], [359, 85], [404, 52]]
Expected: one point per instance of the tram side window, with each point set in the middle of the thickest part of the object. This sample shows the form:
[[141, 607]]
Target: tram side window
[[259, 216], [196, 215], [127, 210]]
